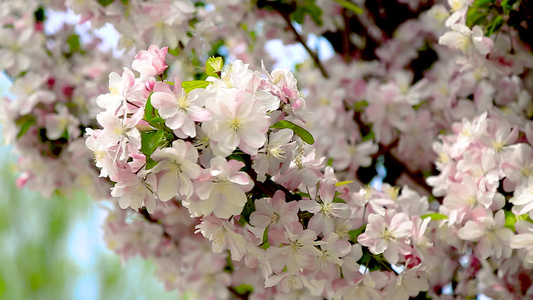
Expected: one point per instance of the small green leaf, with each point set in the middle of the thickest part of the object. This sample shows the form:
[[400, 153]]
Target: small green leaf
[[338, 200], [309, 7], [156, 122], [344, 182], [25, 122], [105, 3], [302, 133], [303, 195], [150, 163], [244, 289], [356, 232], [434, 216], [266, 245], [149, 111], [350, 6], [496, 25], [330, 162], [150, 141], [175, 52], [369, 136], [194, 84], [360, 106], [73, 42], [265, 235], [213, 66], [125, 2], [39, 15], [248, 209]]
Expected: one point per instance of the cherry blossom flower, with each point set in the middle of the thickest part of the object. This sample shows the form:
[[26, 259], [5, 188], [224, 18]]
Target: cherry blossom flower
[[324, 209], [179, 109], [490, 234], [388, 235], [223, 192], [150, 63], [176, 167], [238, 120]]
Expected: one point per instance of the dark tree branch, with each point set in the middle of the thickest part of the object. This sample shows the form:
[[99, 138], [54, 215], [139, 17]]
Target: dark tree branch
[[300, 39]]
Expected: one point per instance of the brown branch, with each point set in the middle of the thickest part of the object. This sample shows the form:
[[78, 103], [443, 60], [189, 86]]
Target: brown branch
[[151, 219], [300, 39], [346, 37], [239, 296]]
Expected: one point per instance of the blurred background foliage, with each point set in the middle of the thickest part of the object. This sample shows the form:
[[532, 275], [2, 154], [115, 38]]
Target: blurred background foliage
[[54, 248]]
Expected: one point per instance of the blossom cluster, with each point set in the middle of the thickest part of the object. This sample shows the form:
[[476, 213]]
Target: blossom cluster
[[50, 102], [229, 150], [485, 180], [235, 186]]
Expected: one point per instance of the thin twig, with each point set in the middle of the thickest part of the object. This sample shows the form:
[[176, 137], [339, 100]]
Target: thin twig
[[300, 39]]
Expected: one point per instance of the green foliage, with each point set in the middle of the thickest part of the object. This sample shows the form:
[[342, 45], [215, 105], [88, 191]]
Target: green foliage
[[265, 244], [369, 136], [244, 289], [355, 233], [490, 14], [150, 140], [25, 122], [434, 216], [36, 262], [350, 6], [73, 42], [105, 3], [299, 131], [213, 66], [194, 84], [310, 8], [248, 209], [39, 15]]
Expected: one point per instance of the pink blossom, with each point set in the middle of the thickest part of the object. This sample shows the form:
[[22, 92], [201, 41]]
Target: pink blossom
[[179, 109], [324, 209], [389, 235], [223, 192], [176, 167], [150, 63], [238, 120]]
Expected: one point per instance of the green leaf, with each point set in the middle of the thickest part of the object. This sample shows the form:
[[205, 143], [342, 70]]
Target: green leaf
[[266, 245], [175, 52], [156, 122], [25, 122], [248, 209], [150, 163], [265, 237], [125, 2], [496, 25], [194, 84], [244, 289], [303, 195], [360, 106], [213, 66], [350, 6], [338, 200], [343, 182], [73, 42], [105, 3], [434, 216], [150, 140], [39, 15], [356, 232], [369, 136], [330, 162], [510, 220], [309, 7], [302, 133]]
